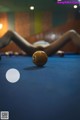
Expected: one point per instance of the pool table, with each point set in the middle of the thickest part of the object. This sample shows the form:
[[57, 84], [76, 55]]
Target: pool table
[[51, 92]]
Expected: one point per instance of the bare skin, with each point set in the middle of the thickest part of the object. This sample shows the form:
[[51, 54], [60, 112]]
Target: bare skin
[[28, 48]]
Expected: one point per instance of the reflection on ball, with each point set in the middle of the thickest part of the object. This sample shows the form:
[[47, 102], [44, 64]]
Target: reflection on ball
[[60, 53], [39, 58]]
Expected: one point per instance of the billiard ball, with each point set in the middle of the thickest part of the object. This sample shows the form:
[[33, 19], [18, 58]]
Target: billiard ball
[[39, 58], [60, 53], [11, 53], [7, 53], [0, 57], [16, 53]]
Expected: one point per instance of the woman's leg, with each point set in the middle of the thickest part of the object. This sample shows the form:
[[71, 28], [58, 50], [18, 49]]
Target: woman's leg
[[71, 35], [30, 49], [20, 41]]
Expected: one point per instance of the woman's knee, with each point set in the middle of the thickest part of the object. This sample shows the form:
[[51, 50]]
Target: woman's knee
[[9, 32], [72, 31]]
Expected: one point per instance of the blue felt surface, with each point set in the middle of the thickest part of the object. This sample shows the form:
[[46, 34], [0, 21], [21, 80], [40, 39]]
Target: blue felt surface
[[48, 93]]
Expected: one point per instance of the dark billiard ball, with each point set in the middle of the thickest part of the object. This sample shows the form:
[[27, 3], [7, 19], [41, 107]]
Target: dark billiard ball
[[0, 57], [39, 58], [11, 53], [60, 53]]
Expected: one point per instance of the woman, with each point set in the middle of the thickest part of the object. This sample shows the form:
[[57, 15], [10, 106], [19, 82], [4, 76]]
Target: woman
[[52, 48]]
